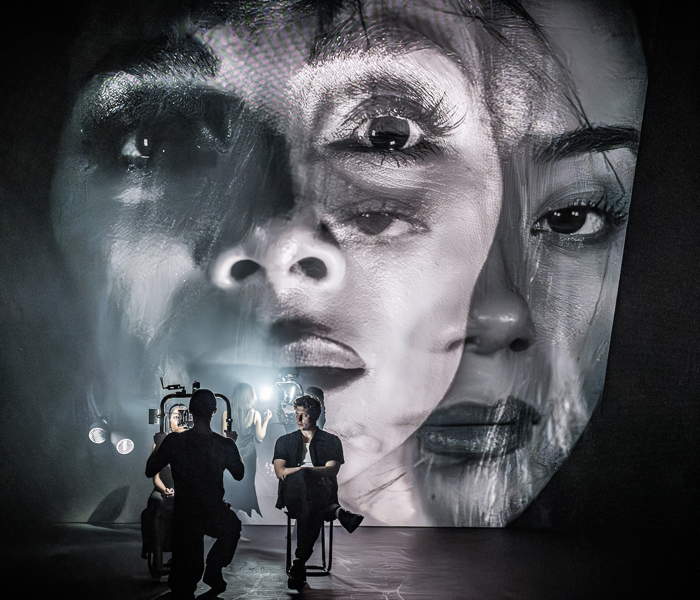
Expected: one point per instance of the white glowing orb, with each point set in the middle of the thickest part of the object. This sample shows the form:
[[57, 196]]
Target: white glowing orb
[[97, 435], [125, 446], [265, 393]]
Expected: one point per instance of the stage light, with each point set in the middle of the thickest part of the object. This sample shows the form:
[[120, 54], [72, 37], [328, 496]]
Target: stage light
[[266, 393], [122, 443], [124, 446], [97, 435]]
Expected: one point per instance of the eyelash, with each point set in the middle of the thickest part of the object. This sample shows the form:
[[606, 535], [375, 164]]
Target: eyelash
[[431, 119], [422, 150], [613, 212], [353, 215]]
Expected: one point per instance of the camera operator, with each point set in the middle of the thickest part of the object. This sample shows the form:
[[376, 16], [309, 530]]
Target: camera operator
[[306, 463], [198, 458]]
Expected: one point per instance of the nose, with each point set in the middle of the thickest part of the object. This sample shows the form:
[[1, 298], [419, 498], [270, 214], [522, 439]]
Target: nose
[[499, 317], [288, 255]]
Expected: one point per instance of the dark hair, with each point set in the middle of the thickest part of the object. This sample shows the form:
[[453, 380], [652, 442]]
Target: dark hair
[[311, 404], [203, 404], [314, 391]]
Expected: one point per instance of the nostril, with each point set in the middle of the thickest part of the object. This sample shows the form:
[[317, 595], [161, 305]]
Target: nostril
[[312, 267], [519, 345], [243, 268]]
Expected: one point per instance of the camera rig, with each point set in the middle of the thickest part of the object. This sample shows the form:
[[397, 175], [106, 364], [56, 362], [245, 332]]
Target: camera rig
[[156, 416]]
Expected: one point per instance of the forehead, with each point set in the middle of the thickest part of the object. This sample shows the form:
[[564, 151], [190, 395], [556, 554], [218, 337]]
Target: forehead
[[258, 64]]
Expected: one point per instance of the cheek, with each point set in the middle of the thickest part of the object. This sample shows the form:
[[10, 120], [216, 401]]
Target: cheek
[[143, 278], [572, 296]]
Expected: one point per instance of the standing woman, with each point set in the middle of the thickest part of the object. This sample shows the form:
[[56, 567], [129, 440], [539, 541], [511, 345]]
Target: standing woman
[[251, 428]]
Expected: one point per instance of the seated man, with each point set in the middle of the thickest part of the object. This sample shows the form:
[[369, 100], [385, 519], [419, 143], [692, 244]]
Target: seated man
[[198, 458], [157, 517], [306, 463]]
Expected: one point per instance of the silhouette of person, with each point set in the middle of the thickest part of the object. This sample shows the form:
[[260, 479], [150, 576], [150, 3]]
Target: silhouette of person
[[251, 428], [156, 520], [306, 463], [197, 459]]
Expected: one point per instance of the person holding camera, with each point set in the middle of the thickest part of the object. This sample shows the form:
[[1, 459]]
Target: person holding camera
[[198, 458], [306, 463]]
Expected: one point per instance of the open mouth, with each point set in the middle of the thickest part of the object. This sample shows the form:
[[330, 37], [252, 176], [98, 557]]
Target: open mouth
[[470, 432]]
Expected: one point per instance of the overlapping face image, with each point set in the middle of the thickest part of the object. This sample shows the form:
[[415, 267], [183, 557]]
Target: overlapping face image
[[417, 206]]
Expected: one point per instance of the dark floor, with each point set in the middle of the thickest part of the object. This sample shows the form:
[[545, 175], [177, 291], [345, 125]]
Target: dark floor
[[83, 561]]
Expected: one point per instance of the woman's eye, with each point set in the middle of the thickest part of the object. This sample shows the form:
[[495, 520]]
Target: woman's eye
[[136, 151], [389, 133], [573, 220], [176, 147], [375, 223]]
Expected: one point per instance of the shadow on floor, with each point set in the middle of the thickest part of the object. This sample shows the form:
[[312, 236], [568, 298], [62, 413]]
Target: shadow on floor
[[104, 563]]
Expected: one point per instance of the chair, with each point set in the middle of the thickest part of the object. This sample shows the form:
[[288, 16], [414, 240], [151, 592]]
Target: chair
[[313, 570], [153, 536]]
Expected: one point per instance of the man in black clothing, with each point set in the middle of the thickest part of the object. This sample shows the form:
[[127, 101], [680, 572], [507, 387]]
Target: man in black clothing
[[197, 459], [306, 463]]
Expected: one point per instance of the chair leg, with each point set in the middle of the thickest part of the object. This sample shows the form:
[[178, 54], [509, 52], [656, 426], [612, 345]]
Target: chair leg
[[288, 564], [330, 546], [323, 569]]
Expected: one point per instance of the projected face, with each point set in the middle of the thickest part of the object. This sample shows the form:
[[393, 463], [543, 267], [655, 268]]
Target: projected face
[[541, 315], [422, 210], [328, 211]]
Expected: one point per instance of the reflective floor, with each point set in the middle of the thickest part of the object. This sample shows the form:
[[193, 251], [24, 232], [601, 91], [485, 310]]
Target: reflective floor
[[83, 561]]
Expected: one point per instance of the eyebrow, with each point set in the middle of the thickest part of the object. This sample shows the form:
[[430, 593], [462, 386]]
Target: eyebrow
[[183, 57], [585, 141], [395, 37]]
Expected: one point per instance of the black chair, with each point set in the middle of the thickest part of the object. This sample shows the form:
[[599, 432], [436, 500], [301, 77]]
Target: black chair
[[152, 536], [313, 570]]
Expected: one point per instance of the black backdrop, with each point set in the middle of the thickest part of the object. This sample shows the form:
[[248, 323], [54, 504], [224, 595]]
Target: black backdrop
[[637, 466]]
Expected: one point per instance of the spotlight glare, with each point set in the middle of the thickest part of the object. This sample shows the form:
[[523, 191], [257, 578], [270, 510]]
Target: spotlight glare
[[97, 435], [265, 393], [125, 446]]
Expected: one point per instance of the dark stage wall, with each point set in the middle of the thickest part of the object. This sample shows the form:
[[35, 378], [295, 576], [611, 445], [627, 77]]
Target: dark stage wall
[[636, 465]]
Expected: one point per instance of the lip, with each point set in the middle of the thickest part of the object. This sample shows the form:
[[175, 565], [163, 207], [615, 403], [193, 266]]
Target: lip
[[302, 346], [318, 351], [471, 432]]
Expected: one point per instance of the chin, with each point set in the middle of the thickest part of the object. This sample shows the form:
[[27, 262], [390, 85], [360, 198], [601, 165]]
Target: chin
[[492, 490], [490, 493]]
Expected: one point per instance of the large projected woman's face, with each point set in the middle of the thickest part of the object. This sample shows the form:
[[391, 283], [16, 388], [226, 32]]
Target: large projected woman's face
[[541, 315], [422, 216], [335, 222]]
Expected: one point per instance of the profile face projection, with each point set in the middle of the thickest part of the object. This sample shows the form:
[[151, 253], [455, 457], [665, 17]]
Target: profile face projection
[[541, 314], [345, 195]]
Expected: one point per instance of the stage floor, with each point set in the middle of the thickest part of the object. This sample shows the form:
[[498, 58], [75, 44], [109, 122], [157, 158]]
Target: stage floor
[[83, 561]]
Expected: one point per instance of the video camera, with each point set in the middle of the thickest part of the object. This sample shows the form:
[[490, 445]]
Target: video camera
[[184, 417]]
